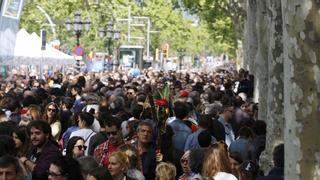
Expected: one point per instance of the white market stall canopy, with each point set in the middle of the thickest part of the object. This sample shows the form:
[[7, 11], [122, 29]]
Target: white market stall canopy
[[28, 52]]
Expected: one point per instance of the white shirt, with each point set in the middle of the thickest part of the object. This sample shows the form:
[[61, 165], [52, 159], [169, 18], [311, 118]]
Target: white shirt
[[56, 130], [95, 126], [224, 176]]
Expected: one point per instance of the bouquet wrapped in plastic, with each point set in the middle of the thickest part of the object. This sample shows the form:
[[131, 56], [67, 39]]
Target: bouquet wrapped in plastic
[[162, 107]]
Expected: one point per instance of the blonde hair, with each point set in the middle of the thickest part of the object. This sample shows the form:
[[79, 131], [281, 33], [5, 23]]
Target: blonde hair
[[133, 156], [186, 155], [165, 171], [121, 157], [216, 160], [35, 112]]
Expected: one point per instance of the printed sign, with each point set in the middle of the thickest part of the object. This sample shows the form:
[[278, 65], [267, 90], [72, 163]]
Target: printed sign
[[99, 62], [78, 50], [12, 8], [100, 56]]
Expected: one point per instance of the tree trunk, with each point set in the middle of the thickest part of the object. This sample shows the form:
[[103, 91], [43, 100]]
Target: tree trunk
[[275, 116], [261, 62], [250, 41], [301, 88]]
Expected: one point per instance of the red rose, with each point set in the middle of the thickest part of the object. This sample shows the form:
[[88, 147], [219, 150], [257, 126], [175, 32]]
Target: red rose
[[161, 102]]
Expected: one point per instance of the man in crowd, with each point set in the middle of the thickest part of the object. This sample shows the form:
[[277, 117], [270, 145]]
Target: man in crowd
[[179, 127], [43, 150], [65, 113], [101, 136], [224, 119], [146, 150], [10, 168], [76, 93], [131, 95], [103, 151]]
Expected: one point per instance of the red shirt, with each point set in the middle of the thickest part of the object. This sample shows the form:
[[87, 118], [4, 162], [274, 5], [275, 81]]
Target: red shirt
[[103, 151]]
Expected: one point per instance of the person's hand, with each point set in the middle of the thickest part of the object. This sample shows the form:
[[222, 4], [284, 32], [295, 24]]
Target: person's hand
[[23, 159], [159, 156]]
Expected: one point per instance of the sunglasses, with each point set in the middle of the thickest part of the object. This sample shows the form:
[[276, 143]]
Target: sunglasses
[[80, 147], [130, 93], [51, 110], [184, 161], [112, 133]]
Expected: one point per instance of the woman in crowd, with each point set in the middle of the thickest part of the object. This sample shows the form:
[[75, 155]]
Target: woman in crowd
[[51, 116], [135, 166], [7, 148], [196, 159], [216, 164], [165, 171], [75, 147], [184, 161], [118, 164], [35, 112], [235, 161], [21, 139]]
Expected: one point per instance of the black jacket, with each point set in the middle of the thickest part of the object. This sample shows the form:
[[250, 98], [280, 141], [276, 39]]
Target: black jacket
[[276, 173]]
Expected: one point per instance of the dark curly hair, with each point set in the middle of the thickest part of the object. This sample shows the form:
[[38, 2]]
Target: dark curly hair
[[69, 167]]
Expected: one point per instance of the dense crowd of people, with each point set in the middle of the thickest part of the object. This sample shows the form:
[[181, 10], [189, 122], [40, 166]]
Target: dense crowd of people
[[133, 126]]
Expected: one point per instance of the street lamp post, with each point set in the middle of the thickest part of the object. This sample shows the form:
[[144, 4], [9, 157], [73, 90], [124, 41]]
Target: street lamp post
[[130, 25], [181, 52], [78, 24], [110, 34]]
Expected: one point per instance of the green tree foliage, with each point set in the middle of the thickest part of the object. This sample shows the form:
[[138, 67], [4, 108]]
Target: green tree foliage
[[224, 19], [175, 30], [59, 10], [166, 19]]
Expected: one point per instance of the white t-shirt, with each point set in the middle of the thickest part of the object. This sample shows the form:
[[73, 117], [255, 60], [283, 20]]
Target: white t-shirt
[[95, 126], [86, 134], [56, 130], [224, 176]]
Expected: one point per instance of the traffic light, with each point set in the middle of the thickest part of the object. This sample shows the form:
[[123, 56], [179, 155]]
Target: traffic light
[[165, 50], [165, 53], [43, 39]]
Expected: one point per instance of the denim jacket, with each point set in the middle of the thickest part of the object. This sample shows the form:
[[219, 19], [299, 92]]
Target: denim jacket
[[181, 133], [228, 131]]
